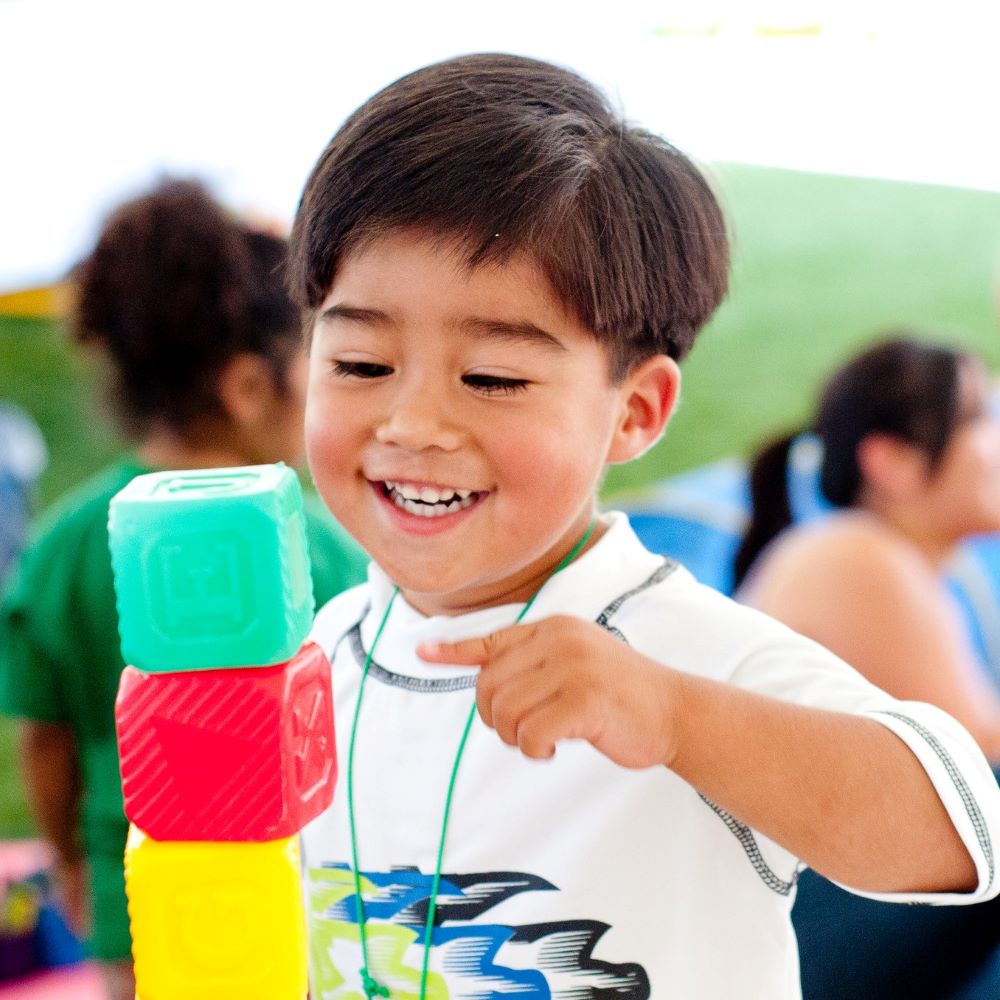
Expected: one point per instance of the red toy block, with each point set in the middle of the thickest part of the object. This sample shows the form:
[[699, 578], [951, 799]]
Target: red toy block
[[244, 754]]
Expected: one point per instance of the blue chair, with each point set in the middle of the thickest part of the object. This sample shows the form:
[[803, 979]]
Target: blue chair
[[974, 577], [696, 518]]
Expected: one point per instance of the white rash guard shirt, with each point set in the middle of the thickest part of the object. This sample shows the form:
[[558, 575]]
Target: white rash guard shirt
[[574, 877]]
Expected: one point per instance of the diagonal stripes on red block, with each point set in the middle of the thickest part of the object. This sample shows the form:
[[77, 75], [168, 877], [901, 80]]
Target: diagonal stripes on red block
[[244, 754]]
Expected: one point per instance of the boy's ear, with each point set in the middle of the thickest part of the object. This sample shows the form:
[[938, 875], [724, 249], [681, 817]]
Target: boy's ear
[[649, 394]]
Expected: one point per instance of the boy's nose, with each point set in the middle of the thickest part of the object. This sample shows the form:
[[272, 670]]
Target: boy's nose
[[418, 418]]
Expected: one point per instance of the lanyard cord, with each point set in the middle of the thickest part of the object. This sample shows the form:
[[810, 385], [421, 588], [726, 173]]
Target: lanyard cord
[[372, 987]]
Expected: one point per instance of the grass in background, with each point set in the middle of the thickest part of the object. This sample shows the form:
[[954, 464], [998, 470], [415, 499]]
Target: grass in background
[[53, 383], [821, 265]]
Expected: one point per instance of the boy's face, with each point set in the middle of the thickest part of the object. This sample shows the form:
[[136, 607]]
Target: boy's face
[[458, 422]]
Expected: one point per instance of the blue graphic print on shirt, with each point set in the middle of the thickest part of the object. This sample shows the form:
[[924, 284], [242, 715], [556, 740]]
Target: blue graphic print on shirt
[[474, 961]]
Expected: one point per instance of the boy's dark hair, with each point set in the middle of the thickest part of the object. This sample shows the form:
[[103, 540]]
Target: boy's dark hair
[[506, 155], [900, 387], [175, 288]]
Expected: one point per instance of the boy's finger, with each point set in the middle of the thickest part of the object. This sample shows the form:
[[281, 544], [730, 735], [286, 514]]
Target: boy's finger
[[546, 725], [502, 707], [468, 652]]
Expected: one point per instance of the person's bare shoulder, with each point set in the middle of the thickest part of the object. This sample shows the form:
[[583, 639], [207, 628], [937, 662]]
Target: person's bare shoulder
[[840, 573]]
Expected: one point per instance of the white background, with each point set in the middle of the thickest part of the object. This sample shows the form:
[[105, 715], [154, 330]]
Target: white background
[[100, 97]]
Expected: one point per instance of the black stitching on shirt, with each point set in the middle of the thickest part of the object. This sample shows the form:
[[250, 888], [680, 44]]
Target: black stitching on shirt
[[741, 831], [748, 842], [378, 672], [420, 684], [661, 572], [746, 838], [968, 799], [350, 628], [427, 685]]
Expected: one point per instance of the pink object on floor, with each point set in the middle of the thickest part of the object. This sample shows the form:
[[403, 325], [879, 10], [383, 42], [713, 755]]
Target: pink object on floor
[[20, 859], [79, 982]]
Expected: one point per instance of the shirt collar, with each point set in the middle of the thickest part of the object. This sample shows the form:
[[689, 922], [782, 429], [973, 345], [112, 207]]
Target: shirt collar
[[616, 564]]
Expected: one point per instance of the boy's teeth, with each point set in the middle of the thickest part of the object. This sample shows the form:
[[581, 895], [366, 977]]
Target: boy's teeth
[[408, 492], [428, 502], [427, 494]]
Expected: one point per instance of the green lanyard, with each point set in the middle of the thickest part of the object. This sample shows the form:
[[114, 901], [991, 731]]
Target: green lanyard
[[372, 987]]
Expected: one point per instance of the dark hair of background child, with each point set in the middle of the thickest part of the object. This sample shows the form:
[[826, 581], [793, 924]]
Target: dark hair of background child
[[174, 289], [504, 155], [900, 387]]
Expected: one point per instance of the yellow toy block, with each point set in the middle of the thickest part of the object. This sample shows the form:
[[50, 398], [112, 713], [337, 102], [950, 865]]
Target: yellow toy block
[[216, 921]]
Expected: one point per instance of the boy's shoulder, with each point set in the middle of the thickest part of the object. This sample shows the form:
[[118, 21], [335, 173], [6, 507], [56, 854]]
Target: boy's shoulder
[[684, 623], [339, 615], [685, 607]]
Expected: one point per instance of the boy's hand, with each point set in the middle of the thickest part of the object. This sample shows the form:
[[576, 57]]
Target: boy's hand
[[564, 678]]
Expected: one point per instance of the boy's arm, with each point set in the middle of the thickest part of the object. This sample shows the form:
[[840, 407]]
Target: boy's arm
[[840, 791], [51, 777]]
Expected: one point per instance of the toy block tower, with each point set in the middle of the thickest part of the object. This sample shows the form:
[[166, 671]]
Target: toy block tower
[[225, 729]]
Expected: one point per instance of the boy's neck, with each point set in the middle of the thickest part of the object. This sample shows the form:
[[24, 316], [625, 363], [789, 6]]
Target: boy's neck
[[516, 589]]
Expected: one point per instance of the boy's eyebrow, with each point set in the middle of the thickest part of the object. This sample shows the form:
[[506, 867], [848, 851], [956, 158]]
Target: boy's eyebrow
[[375, 317], [477, 326], [498, 329]]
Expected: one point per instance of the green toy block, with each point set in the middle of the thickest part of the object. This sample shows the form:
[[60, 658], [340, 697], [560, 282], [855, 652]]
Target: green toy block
[[211, 568]]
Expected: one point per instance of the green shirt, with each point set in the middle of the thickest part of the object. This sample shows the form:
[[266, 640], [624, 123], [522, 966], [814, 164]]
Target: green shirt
[[60, 658]]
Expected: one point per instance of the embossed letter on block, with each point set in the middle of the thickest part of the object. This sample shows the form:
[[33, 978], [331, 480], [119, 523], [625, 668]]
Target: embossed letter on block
[[211, 568]]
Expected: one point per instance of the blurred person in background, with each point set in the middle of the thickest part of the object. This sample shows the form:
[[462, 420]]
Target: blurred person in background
[[911, 464], [911, 461], [205, 367]]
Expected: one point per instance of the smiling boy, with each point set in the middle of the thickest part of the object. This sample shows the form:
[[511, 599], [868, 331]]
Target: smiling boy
[[502, 277]]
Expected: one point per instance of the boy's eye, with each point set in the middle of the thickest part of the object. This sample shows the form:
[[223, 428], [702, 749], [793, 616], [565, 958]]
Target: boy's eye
[[495, 385], [360, 369]]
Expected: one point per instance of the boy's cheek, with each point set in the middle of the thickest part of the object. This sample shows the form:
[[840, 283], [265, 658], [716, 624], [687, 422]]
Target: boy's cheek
[[324, 456], [322, 424]]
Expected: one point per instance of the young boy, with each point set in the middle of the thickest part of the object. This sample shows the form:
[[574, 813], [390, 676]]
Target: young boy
[[502, 277]]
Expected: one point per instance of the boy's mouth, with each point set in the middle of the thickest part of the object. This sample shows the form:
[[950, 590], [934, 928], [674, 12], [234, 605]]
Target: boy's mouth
[[429, 501]]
